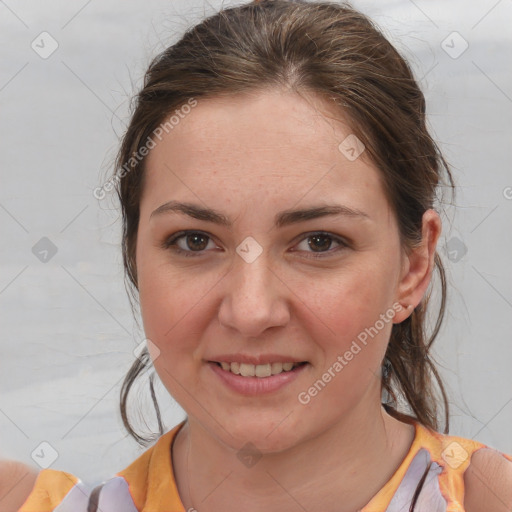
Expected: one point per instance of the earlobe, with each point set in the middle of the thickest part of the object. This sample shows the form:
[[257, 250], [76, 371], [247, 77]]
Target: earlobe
[[418, 266]]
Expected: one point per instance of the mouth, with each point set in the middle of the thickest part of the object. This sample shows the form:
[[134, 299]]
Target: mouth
[[258, 370]]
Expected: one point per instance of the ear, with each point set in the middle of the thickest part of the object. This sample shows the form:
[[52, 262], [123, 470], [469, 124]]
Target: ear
[[417, 266]]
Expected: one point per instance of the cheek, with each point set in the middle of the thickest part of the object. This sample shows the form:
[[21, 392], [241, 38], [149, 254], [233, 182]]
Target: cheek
[[171, 317], [350, 326], [172, 304], [350, 303], [164, 307]]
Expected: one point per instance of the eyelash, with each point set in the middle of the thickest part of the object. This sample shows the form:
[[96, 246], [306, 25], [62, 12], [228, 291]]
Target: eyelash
[[170, 243]]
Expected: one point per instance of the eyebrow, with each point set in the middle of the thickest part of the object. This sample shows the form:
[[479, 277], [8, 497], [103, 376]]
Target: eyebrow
[[284, 218]]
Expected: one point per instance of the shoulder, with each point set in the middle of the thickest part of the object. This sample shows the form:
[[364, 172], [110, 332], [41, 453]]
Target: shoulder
[[26, 489], [488, 482], [16, 483]]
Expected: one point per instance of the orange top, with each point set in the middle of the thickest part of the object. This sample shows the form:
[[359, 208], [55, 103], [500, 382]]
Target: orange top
[[148, 483]]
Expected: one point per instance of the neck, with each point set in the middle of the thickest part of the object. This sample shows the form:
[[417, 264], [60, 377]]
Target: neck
[[339, 470]]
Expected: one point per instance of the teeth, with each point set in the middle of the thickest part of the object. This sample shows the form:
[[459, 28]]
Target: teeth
[[263, 370], [259, 370], [247, 370], [276, 368]]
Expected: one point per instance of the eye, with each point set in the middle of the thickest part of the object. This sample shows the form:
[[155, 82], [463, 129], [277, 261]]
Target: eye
[[320, 242], [194, 243]]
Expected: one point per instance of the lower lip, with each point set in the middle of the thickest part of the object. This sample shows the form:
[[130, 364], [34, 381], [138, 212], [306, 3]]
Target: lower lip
[[256, 385]]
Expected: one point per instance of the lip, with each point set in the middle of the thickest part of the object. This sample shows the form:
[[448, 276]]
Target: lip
[[251, 386], [247, 359]]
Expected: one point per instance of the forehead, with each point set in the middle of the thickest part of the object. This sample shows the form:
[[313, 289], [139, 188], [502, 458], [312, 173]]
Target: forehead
[[269, 145]]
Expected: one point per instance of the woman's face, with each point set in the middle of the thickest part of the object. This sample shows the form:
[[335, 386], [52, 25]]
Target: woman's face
[[260, 287]]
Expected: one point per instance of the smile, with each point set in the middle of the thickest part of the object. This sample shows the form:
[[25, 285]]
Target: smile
[[258, 370], [256, 379]]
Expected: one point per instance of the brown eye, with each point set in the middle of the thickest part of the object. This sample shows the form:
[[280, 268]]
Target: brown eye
[[321, 243], [196, 241], [187, 243]]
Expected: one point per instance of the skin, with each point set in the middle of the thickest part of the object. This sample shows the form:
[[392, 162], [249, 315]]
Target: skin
[[250, 157], [16, 482]]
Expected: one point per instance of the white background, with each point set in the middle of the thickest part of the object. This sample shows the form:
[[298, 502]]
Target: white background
[[68, 333]]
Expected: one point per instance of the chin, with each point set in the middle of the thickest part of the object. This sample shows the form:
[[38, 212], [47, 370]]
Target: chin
[[267, 434]]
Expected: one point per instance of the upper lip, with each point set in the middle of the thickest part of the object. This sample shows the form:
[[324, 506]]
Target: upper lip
[[255, 360]]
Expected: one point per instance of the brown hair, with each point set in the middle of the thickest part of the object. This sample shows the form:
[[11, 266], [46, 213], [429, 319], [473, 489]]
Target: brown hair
[[337, 53]]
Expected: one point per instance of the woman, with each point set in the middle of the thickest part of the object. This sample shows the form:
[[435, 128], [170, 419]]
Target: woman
[[277, 183]]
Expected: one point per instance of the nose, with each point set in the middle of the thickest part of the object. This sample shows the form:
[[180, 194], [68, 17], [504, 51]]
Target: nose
[[254, 298]]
